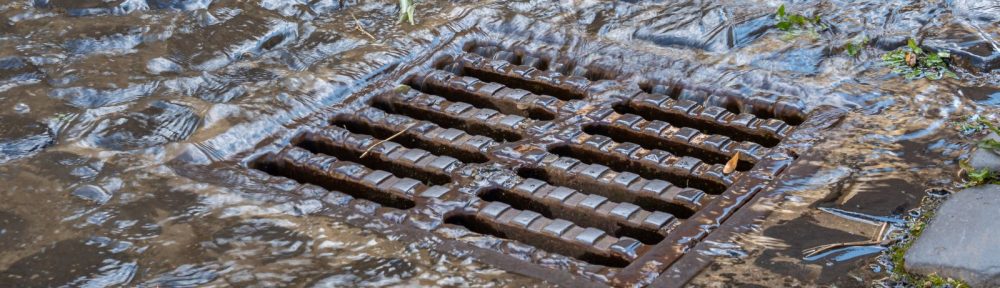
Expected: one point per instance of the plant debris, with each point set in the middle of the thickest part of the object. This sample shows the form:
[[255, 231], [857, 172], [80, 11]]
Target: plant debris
[[732, 163], [359, 27], [991, 144], [797, 24], [973, 176], [406, 10], [973, 125], [853, 47], [983, 124], [912, 62], [976, 177], [876, 240], [384, 140]]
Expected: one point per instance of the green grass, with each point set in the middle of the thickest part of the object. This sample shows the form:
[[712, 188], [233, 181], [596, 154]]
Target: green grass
[[913, 62]]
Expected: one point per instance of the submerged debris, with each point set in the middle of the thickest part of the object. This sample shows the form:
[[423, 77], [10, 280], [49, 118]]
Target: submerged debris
[[977, 176], [988, 143], [876, 240], [359, 27]]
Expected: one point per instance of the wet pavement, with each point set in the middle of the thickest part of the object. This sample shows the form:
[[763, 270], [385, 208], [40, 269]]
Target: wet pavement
[[101, 99]]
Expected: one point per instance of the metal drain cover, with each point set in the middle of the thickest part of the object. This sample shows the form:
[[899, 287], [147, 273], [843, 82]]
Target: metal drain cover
[[523, 158]]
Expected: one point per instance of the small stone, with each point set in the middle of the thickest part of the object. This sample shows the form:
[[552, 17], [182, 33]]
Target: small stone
[[961, 241], [183, 5], [92, 193], [308, 207], [161, 122], [938, 192], [21, 108], [160, 65], [986, 158]]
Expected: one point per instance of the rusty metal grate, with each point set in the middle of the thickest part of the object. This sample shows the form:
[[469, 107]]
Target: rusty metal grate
[[565, 166]]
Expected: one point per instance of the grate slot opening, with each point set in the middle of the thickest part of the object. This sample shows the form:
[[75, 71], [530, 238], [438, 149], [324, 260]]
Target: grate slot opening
[[477, 225], [619, 134], [674, 90], [703, 126], [520, 56], [372, 160], [444, 120], [617, 195], [409, 140], [521, 202], [728, 100], [458, 95], [539, 88], [517, 57], [519, 83], [618, 164], [271, 165]]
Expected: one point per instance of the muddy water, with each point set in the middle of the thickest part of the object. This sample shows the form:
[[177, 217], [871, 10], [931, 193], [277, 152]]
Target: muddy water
[[98, 96]]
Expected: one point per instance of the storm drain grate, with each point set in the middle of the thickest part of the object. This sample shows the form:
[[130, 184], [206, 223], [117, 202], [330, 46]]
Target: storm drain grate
[[540, 150]]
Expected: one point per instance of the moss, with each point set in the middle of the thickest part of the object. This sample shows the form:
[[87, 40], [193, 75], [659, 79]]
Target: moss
[[897, 255], [898, 252]]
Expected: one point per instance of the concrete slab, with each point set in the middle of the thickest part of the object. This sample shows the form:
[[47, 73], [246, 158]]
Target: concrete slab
[[963, 239]]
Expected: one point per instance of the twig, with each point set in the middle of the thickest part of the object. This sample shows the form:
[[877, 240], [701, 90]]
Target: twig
[[386, 139], [823, 248], [357, 25], [876, 241], [881, 232]]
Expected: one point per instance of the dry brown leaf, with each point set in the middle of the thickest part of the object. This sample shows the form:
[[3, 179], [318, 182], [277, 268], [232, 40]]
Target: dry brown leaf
[[911, 59], [731, 165]]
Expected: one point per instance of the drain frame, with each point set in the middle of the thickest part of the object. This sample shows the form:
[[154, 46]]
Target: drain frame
[[524, 123]]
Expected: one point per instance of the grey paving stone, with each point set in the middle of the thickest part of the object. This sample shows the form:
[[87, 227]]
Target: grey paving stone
[[963, 239], [985, 158]]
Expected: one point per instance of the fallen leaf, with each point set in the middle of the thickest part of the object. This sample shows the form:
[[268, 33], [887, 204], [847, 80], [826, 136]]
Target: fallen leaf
[[731, 165], [401, 88], [911, 59]]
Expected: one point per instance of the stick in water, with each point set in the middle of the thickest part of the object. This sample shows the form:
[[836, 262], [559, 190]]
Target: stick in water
[[357, 25]]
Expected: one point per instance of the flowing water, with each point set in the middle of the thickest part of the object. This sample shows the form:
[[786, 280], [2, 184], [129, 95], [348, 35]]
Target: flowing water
[[98, 96]]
